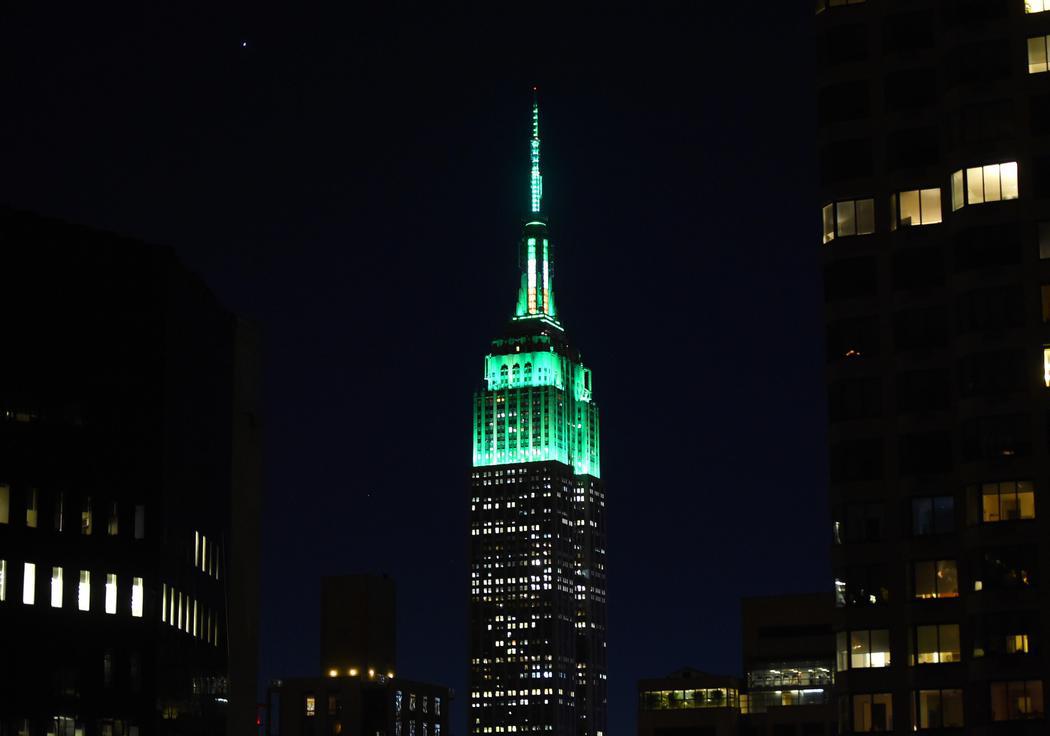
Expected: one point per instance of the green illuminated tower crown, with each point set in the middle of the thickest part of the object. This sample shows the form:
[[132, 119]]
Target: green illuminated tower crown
[[536, 404]]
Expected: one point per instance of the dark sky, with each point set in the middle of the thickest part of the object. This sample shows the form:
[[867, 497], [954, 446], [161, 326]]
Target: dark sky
[[354, 181]]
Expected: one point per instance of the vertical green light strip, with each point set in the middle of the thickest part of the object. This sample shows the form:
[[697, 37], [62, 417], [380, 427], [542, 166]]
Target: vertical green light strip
[[532, 275], [535, 179], [546, 278]]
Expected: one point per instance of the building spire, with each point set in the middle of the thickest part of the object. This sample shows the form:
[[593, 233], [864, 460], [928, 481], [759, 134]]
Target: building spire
[[535, 178], [535, 257]]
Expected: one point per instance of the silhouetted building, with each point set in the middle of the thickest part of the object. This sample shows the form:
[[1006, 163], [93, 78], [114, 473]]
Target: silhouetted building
[[357, 691], [689, 702], [319, 706], [934, 178], [129, 491], [788, 657], [537, 518], [789, 660], [358, 625]]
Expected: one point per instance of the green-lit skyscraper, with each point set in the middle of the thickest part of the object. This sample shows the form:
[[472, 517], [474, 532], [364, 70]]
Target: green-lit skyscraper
[[537, 517]]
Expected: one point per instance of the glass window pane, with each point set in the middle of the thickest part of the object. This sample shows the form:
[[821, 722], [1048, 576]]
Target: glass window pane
[[847, 218], [947, 579], [882, 712], [943, 514], [841, 651], [880, 648], [910, 213], [926, 644], [1037, 55], [925, 584], [990, 502], [865, 216], [992, 192], [1046, 366], [931, 206], [829, 222], [922, 516], [893, 211], [1044, 240], [1000, 707], [929, 709], [859, 650], [974, 185], [1008, 176], [949, 643], [1026, 500], [957, 190], [861, 712], [952, 708], [1035, 698], [5, 504]]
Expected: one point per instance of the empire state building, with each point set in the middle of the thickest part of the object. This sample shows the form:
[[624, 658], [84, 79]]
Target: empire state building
[[537, 516]]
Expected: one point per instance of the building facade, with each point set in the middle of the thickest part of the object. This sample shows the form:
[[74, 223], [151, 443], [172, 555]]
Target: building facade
[[537, 517], [788, 663], [129, 492], [934, 195]]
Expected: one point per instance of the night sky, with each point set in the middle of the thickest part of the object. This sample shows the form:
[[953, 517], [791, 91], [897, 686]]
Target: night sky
[[354, 180]]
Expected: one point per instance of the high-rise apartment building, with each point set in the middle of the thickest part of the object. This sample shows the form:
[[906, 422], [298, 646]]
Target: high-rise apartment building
[[934, 182], [129, 492], [537, 517]]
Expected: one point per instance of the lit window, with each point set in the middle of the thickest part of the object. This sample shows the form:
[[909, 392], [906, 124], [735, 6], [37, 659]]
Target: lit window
[[5, 504], [111, 593], [1036, 6], [1044, 294], [1018, 700], [85, 517], [84, 591], [56, 587], [936, 579], [204, 553], [1037, 54], [140, 522], [1016, 644], [31, 508], [848, 217], [112, 524], [867, 648], [1007, 501], [311, 706], [937, 709], [1044, 240], [937, 644], [412, 701], [29, 584], [915, 207], [136, 599], [979, 184], [873, 712], [60, 507], [3, 580]]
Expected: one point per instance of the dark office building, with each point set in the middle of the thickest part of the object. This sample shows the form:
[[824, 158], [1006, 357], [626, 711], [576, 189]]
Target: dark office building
[[934, 178], [537, 518], [129, 492], [789, 660], [358, 625], [357, 690], [352, 705]]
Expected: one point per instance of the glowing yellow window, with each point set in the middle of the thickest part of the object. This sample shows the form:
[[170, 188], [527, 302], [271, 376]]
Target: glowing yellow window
[[1037, 55], [1036, 6]]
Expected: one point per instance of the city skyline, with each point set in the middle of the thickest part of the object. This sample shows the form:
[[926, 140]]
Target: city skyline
[[353, 183]]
